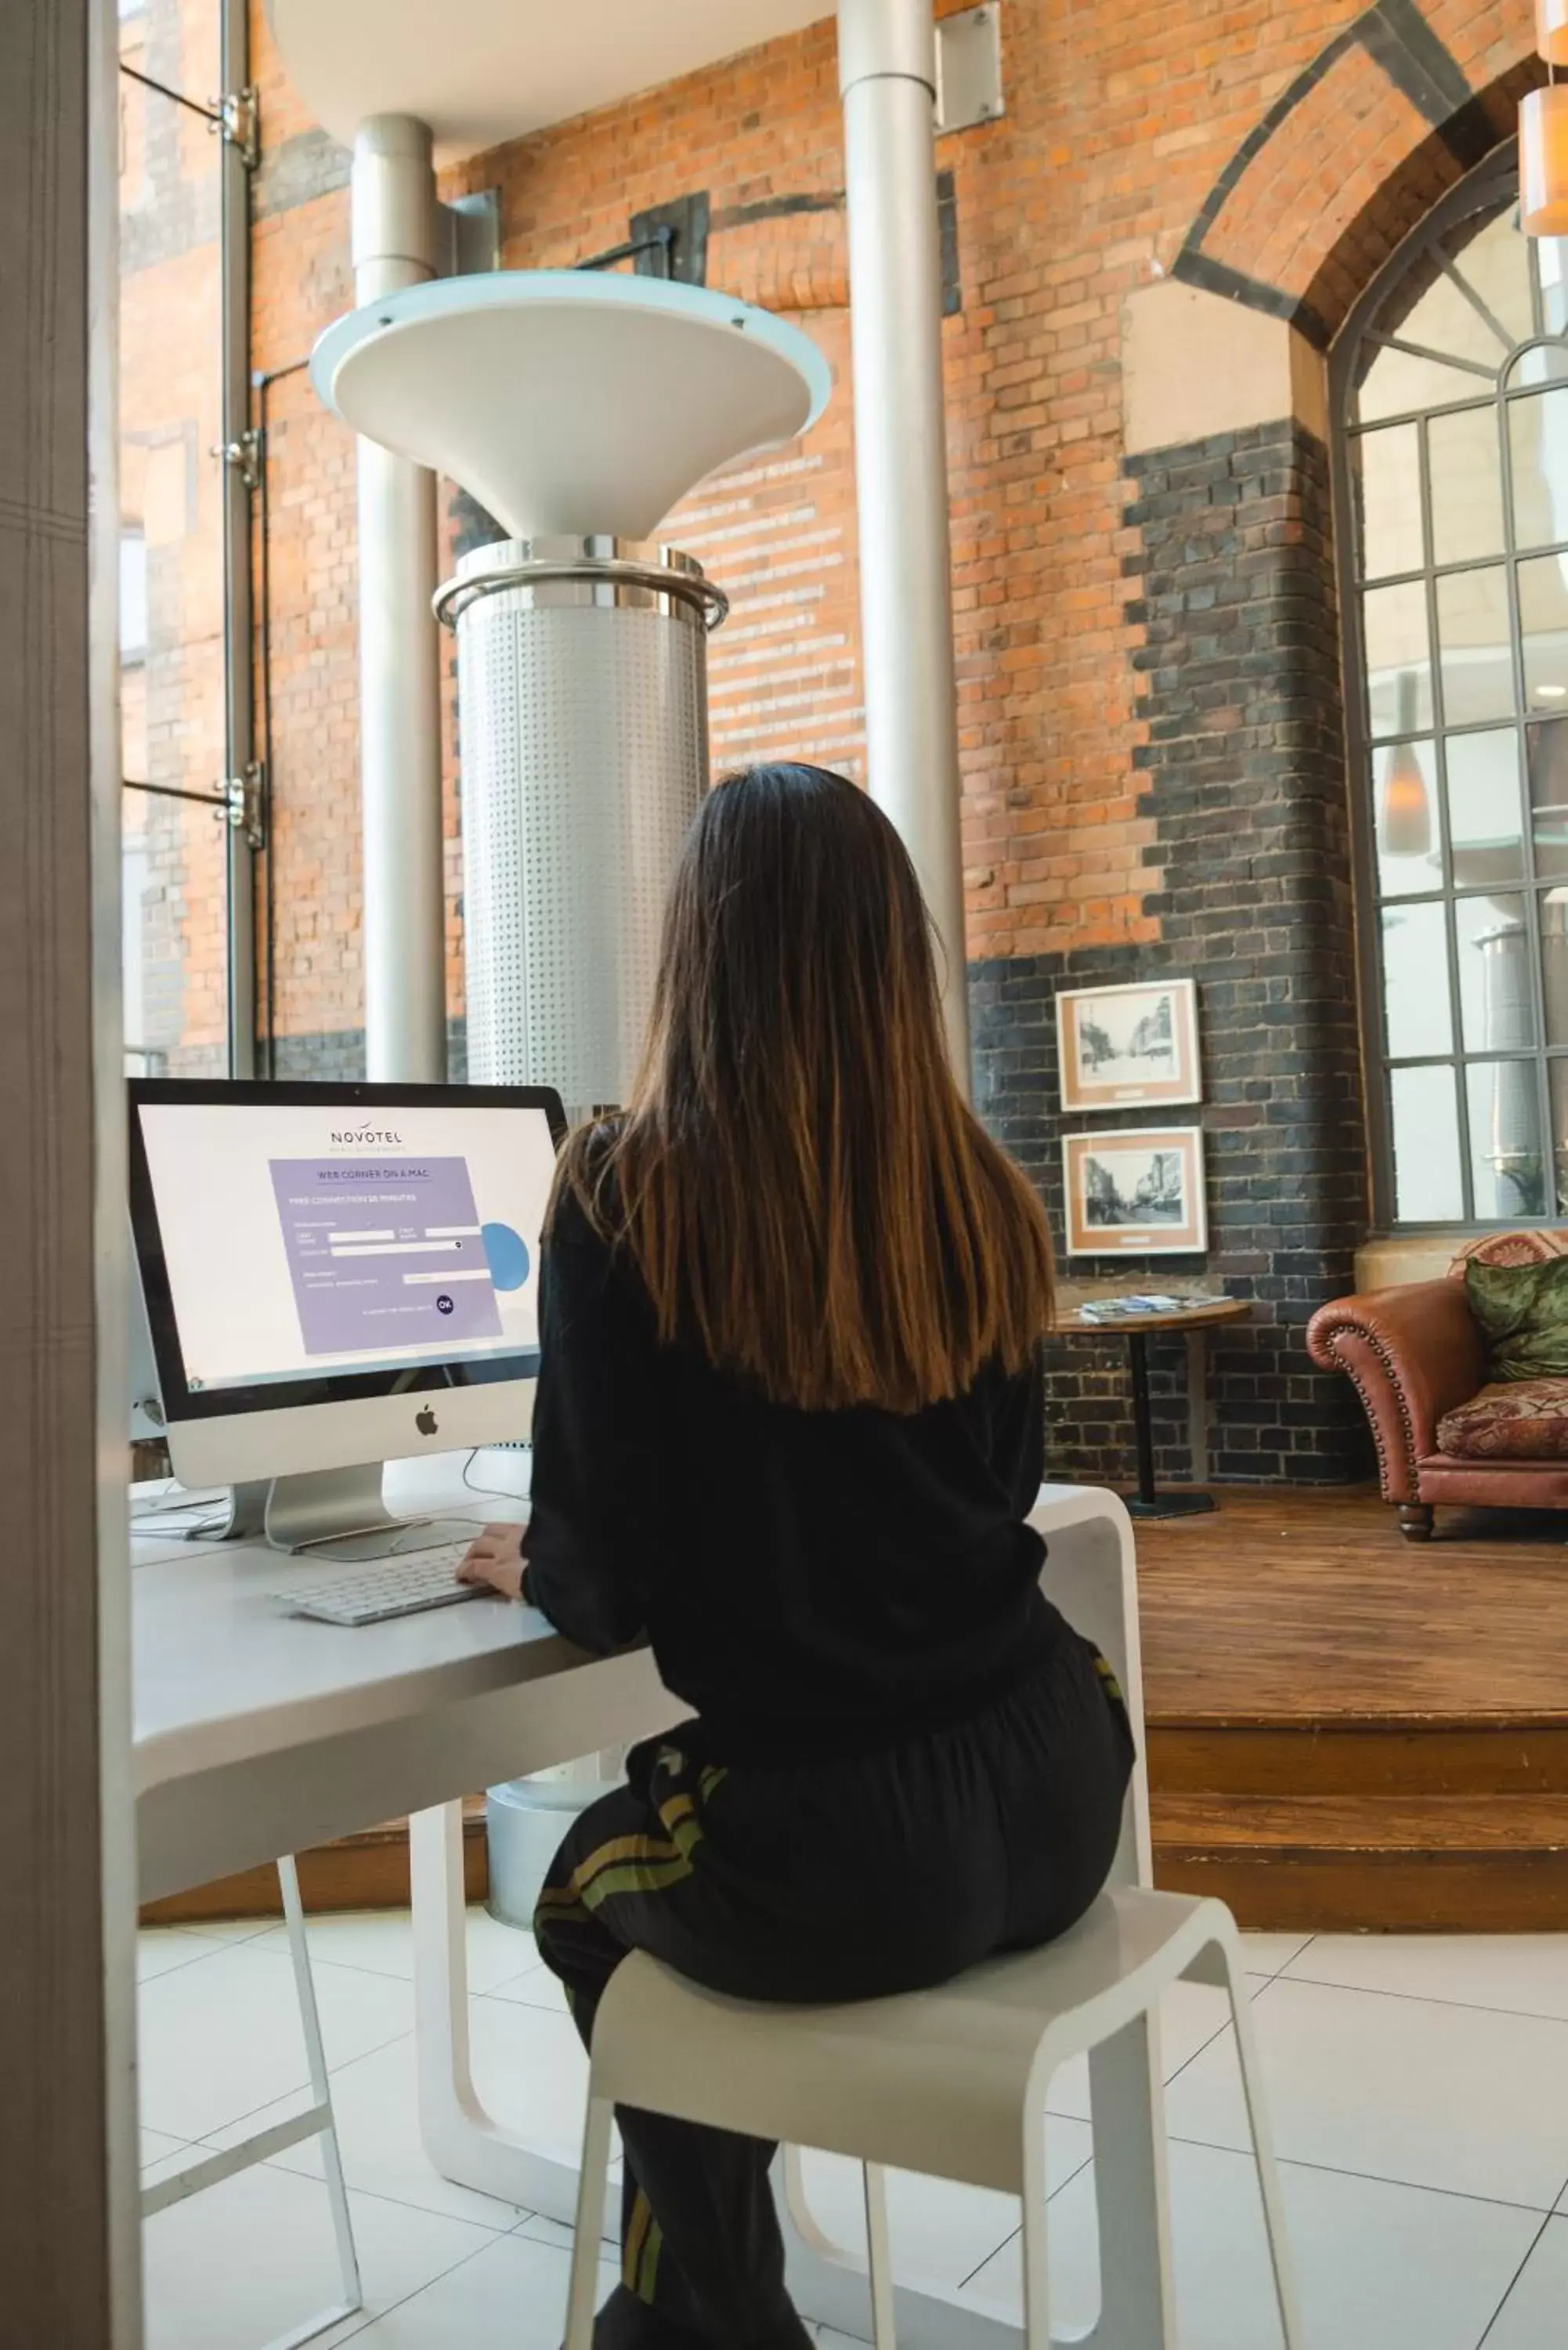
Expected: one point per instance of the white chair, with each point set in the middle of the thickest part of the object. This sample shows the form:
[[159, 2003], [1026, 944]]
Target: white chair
[[317, 2121], [954, 2081]]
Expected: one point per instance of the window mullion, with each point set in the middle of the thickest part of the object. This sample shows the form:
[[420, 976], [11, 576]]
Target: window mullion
[[1380, 319], [1349, 562], [1440, 817], [1526, 819]]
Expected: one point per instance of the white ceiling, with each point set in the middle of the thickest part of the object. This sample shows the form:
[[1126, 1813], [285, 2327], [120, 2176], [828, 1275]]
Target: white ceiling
[[481, 72]]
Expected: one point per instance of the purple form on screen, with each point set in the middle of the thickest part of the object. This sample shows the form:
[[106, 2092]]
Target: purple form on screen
[[384, 1253]]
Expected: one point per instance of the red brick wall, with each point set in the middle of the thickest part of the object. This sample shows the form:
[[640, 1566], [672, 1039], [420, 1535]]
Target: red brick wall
[[1124, 156]]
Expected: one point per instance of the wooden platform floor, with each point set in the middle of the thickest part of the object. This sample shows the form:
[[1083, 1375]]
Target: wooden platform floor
[[1289, 1604], [1346, 1731]]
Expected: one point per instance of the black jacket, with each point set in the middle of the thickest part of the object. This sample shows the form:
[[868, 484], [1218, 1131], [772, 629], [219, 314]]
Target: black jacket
[[812, 1582]]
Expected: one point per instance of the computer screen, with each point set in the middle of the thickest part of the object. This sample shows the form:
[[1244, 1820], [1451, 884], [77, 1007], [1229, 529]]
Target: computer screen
[[305, 1244]]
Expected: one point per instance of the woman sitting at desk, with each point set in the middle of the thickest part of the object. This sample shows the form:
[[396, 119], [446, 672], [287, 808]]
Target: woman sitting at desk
[[790, 1422]]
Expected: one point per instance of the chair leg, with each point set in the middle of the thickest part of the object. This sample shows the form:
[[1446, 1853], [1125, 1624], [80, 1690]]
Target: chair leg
[[1036, 2263], [878, 2256], [320, 2084], [1263, 2149], [1416, 1521], [1126, 2103], [583, 2301]]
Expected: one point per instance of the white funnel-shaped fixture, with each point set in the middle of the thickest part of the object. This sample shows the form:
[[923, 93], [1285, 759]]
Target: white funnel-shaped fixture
[[569, 402], [578, 408]]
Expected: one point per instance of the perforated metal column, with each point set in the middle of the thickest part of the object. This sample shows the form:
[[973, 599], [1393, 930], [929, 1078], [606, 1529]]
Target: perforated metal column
[[583, 738]]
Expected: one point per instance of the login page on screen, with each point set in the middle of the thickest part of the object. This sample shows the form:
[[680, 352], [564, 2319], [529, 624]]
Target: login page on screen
[[302, 1241]]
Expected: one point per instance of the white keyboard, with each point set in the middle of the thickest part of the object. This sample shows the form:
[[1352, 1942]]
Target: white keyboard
[[404, 1585]]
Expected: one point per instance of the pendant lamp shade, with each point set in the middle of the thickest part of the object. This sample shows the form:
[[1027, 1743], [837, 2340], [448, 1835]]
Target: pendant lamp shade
[[1405, 806], [1544, 157], [1552, 30]]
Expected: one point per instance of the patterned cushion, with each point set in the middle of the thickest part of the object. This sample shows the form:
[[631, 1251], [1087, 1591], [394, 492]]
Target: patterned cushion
[[1509, 1248], [1522, 1312], [1527, 1419]]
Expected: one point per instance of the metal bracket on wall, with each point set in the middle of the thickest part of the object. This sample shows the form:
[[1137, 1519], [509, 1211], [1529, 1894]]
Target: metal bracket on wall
[[238, 800], [244, 455], [239, 122], [244, 798], [235, 116], [667, 241], [968, 68], [472, 225], [678, 232]]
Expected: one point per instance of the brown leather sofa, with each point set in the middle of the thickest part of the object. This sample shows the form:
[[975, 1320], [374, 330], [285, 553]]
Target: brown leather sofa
[[1443, 1434]]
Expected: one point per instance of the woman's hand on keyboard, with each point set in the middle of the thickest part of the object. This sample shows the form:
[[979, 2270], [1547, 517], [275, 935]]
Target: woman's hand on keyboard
[[496, 1557]]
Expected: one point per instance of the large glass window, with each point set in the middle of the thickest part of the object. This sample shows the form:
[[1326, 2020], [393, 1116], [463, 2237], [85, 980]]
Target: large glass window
[[1453, 484], [175, 836]]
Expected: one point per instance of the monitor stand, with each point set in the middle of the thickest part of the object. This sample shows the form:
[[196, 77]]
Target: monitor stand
[[247, 1512], [338, 1513]]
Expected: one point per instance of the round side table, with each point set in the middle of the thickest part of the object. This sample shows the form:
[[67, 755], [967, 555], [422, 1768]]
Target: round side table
[[1148, 1501]]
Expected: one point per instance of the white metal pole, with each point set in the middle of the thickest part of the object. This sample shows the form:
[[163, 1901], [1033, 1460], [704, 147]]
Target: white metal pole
[[886, 73], [404, 927], [239, 699]]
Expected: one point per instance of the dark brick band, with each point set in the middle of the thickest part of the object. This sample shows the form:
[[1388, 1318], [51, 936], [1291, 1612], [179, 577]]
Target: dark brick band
[[1399, 39], [1197, 268], [1245, 766]]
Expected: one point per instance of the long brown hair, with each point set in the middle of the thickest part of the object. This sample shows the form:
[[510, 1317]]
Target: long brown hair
[[798, 1179]]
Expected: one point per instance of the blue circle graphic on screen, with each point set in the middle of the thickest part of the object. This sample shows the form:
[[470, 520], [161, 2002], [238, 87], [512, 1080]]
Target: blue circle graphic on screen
[[506, 1253]]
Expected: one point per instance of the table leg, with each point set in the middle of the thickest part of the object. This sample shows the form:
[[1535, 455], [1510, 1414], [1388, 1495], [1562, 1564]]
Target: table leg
[[1143, 1419], [1148, 1502], [468, 2146], [464, 2140]]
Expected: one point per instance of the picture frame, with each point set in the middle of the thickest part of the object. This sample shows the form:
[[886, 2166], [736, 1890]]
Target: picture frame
[[1136, 1190], [1130, 1047]]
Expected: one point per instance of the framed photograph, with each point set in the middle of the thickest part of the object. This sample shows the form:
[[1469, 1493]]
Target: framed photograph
[[1137, 1188], [1130, 1047]]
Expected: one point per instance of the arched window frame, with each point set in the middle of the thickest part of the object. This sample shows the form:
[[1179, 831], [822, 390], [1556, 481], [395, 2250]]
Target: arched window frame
[[1486, 193]]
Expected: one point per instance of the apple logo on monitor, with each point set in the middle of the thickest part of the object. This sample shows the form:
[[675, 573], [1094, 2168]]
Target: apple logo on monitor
[[425, 1422]]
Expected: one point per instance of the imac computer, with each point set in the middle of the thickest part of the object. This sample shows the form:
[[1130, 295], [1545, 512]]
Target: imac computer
[[337, 1276]]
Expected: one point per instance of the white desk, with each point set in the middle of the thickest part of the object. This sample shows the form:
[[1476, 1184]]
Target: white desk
[[257, 1733]]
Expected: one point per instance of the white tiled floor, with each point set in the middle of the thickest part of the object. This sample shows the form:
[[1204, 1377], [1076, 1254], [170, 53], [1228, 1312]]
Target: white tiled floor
[[1418, 2090]]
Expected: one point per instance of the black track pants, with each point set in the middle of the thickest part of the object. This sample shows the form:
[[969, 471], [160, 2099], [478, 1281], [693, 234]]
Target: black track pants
[[823, 1880]]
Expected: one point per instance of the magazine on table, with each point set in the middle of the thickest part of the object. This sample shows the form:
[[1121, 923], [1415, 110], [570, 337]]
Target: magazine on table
[[1119, 1309]]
